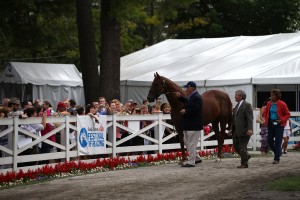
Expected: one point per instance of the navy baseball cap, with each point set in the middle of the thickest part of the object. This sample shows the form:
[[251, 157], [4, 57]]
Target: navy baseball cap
[[190, 84]]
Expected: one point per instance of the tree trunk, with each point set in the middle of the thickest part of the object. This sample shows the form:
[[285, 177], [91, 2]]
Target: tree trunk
[[88, 54], [110, 52]]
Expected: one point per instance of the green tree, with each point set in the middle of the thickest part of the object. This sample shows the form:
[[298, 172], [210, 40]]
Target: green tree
[[116, 25], [258, 17], [110, 50], [38, 31], [213, 18], [46, 30], [87, 48], [150, 15], [152, 23]]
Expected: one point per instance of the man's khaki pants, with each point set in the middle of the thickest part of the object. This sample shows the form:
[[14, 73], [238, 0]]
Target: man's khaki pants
[[191, 139]]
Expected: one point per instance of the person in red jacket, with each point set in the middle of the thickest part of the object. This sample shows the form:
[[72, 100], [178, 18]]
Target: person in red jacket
[[276, 116]]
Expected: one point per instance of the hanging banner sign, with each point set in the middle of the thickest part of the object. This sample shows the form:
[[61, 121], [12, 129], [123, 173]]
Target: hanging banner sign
[[91, 135]]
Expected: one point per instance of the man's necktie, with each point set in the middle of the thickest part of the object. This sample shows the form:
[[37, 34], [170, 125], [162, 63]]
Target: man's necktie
[[236, 108]]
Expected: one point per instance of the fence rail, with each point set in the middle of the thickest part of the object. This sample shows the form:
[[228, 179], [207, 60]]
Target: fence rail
[[68, 150]]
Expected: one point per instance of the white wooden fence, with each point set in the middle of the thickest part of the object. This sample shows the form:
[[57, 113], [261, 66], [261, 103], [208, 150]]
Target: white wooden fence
[[66, 150]]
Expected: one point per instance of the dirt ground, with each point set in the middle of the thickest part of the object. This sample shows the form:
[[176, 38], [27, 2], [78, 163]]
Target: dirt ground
[[208, 180]]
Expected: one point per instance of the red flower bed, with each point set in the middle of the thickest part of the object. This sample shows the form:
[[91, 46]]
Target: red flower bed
[[80, 167]]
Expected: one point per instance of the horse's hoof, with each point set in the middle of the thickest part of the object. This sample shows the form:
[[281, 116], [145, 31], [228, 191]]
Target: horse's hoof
[[218, 160]]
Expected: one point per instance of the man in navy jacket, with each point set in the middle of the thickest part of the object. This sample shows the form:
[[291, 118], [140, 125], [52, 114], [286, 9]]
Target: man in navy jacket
[[191, 122]]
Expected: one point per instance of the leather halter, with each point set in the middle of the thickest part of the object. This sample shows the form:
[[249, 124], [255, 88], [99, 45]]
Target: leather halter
[[164, 86]]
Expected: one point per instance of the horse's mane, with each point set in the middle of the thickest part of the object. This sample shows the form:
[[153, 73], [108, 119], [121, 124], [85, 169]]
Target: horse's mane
[[173, 87]]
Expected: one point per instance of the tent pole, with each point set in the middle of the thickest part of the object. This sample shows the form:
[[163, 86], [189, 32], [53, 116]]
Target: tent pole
[[23, 92]]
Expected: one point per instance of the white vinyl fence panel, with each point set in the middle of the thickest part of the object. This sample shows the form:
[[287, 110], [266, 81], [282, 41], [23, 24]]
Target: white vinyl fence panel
[[68, 150]]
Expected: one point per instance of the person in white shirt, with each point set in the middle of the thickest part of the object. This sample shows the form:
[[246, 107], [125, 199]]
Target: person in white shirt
[[286, 135]]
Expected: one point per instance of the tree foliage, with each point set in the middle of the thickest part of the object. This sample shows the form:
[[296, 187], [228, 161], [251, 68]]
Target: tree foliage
[[38, 31], [110, 50], [47, 30], [87, 48], [213, 18]]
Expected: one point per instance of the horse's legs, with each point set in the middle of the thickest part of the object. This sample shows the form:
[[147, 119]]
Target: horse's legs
[[219, 135], [181, 140], [221, 138], [215, 127]]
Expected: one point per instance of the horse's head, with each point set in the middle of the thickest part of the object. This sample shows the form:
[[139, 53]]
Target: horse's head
[[157, 87]]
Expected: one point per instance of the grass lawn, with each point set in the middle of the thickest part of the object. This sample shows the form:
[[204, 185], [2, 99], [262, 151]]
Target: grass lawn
[[285, 184]]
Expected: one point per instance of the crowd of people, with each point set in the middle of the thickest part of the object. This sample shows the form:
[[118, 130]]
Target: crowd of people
[[12, 107]]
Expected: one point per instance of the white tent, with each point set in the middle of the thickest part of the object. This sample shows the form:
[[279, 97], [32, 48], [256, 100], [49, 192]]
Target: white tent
[[232, 63], [52, 82]]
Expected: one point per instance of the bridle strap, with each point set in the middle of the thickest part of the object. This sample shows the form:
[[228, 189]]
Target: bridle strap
[[164, 86]]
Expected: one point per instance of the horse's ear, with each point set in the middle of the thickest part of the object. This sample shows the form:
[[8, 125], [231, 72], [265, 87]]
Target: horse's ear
[[157, 75]]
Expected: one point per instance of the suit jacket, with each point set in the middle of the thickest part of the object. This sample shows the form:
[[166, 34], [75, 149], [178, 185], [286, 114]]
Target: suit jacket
[[242, 120], [192, 119]]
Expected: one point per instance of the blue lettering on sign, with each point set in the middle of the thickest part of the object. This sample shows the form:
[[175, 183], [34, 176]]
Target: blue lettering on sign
[[101, 143], [95, 139], [96, 143]]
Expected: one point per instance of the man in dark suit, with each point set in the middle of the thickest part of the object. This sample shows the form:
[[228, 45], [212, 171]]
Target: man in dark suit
[[242, 127], [191, 122]]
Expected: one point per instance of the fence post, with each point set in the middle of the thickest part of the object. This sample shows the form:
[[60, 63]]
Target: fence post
[[255, 129], [15, 144], [201, 140], [67, 121], [114, 139], [160, 132], [255, 137], [11, 143]]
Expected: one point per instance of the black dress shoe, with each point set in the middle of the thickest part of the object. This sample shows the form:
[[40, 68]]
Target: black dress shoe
[[198, 161], [242, 166], [188, 165]]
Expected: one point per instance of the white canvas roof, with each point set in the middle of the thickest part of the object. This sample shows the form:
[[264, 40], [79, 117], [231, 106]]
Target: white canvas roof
[[42, 74], [52, 82], [270, 59]]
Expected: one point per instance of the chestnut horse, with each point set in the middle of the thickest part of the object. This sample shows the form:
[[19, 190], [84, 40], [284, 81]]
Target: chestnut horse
[[216, 108]]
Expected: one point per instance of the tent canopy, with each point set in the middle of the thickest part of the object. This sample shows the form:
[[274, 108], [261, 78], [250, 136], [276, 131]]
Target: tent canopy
[[218, 61], [44, 81], [42, 74]]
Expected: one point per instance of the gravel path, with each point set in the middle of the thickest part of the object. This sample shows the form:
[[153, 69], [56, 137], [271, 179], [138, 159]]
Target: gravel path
[[208, 180]]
